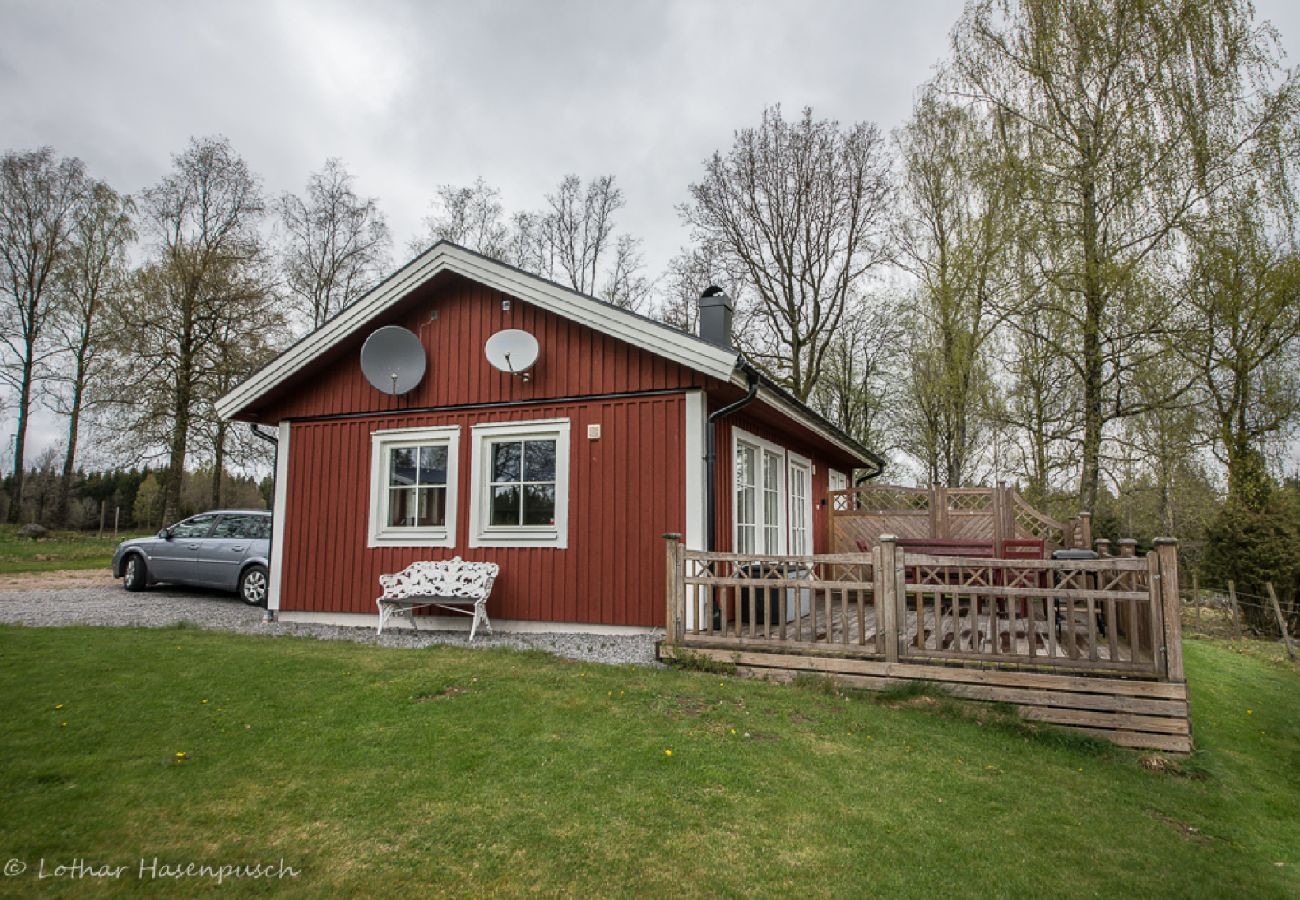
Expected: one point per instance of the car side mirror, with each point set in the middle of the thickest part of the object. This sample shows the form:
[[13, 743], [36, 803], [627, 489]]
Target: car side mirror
[[165, 534]]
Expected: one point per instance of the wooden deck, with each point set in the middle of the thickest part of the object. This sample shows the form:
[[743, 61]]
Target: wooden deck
[[1086, 644]]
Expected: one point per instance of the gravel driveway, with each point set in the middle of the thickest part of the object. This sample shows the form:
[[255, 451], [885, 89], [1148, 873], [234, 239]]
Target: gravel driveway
[[82, 598]]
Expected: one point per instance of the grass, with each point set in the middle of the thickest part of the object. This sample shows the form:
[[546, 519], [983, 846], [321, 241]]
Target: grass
[[59, 550], [448, 771]]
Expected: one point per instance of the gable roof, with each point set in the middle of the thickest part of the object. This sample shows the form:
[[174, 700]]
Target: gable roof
[[655, 337]]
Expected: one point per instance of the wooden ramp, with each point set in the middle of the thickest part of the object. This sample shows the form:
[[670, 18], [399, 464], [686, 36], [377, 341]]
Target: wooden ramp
[[1136, 713]]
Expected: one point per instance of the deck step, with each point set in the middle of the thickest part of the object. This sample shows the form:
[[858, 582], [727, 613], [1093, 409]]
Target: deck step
[[1137, 713]]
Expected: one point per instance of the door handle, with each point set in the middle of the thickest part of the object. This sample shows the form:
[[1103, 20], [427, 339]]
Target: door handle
[[237, 549], [191, 546]]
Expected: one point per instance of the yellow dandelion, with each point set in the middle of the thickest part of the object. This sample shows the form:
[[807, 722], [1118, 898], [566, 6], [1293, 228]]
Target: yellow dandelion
[[203, 701], [1249, 712], [58, 706], [63, 724], [668, 753], [181, 754]]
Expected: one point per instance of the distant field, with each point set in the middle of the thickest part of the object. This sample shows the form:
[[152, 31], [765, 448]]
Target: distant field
[[60, 550], [454, 772]]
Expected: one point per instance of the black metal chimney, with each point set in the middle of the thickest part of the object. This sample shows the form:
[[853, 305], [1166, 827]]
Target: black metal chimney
[[715, 317]]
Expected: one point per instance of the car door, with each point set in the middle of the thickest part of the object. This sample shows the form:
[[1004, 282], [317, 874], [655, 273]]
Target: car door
[[222, 554], [174, 558]]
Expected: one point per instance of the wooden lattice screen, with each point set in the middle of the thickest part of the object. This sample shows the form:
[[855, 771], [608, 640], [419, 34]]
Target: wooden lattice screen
[[859, 516]]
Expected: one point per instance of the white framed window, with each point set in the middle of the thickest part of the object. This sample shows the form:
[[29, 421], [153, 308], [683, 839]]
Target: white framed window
[[519, 475], [413, 487], [760, 494], [801, 508]]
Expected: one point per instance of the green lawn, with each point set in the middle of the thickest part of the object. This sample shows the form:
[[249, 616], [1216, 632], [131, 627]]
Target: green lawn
[[60, 550], [397, 773]]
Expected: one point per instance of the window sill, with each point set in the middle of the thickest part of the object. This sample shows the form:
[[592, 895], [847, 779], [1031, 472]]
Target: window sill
[[412, 539]]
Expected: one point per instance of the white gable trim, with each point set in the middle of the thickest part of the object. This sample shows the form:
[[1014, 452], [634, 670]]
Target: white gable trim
[[443, 257]]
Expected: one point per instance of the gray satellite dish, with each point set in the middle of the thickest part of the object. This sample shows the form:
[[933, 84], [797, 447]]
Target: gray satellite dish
[[392, 359], [512, 351]]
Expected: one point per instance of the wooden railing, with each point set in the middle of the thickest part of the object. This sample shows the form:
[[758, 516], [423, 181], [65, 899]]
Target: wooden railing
[[1112, 616]]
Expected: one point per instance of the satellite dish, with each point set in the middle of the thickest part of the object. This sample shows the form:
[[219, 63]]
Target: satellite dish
[[512, 351], [392, 359]]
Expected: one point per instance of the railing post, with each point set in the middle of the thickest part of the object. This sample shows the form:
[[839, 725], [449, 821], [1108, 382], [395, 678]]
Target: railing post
[[675, 590], [1085, 527], [1167, 551], [1103, 547], [886, 579]]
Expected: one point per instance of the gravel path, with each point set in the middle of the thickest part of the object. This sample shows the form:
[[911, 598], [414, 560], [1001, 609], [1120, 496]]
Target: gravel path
[[82, 600]]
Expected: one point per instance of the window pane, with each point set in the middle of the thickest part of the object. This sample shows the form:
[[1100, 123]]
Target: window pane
[[539, 504], [433, 507], [505, 504], [401, 466], [771, 471], [744, 465], [195, 527], [505, 460], [433, 465], [745, 539], [401, 507], [539, 460]]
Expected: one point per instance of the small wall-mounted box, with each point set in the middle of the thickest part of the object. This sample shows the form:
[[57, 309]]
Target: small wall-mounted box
[[593, 432]]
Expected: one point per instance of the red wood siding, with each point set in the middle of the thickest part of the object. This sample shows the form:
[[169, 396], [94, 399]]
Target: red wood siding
[[574, 360], [625, 491]]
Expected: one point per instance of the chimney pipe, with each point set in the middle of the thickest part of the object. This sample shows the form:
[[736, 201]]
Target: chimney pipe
[[715, 317]]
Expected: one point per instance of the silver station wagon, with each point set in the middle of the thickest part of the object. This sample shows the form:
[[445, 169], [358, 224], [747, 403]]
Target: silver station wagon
[[228, 549]]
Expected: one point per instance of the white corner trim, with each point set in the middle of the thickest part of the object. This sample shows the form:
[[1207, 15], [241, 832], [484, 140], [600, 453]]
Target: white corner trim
[[378, 534], [461, 623], [696, 478], [444, 257], [279, 515], [482, 535]]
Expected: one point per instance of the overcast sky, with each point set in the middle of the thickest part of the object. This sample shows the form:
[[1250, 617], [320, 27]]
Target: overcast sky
[[416, 94]]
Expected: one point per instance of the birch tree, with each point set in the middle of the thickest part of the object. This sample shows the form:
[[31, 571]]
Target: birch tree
[[1110, 102], [336, 243], [39, 195], [92, 277]]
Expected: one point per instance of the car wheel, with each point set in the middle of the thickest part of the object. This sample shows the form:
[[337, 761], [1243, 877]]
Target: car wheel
[[253, 585], [133, 573]]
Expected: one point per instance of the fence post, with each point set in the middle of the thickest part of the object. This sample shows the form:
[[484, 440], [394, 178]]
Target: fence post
[[1103, 547], [1281, 621], [675, 592], [1167, 551], [886, 579], [1236, 613], [1196, 598], [1085, 530]]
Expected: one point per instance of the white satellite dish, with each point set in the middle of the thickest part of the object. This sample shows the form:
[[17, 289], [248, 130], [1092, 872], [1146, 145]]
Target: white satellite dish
[[512, 351], [392, 359]]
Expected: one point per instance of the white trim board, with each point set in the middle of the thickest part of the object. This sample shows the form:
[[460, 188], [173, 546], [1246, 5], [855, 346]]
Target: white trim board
[[279, 515], [460, 623], [681, 348]]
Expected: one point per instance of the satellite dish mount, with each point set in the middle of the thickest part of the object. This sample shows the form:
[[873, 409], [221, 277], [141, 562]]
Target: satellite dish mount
[[513, 351], [392, 359]]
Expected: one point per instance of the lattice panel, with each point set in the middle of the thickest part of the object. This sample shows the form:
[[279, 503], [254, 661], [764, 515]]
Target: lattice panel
[[981, 501]]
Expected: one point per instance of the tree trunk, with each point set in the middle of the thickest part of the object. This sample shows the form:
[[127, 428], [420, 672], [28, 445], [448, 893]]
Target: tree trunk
[[218, 464], [180, 436], [69, 458], [20, 437]]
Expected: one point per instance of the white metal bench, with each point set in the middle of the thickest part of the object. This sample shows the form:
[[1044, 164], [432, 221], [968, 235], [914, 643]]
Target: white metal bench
[[450, 584]]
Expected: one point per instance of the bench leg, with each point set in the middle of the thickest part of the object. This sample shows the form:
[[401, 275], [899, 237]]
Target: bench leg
[[480, 615], [384, 613]]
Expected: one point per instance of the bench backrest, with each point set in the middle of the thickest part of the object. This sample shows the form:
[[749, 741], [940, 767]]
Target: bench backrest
[[453, 577]]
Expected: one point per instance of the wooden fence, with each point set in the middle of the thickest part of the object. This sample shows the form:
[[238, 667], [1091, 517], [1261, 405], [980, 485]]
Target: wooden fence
[[857, 517], [1106, 630]]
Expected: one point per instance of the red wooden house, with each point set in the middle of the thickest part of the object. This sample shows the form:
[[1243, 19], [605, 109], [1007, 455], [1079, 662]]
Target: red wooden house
[[567, 478]]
